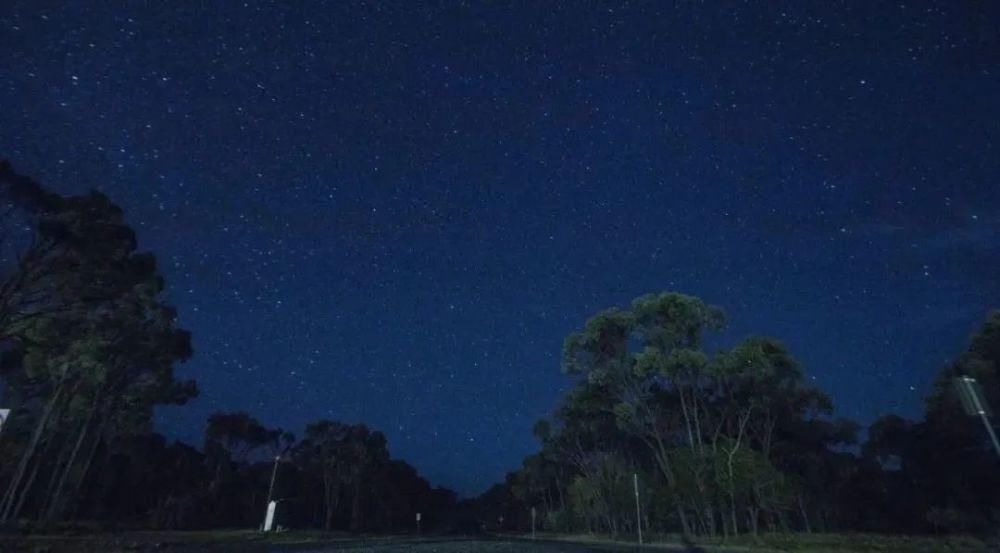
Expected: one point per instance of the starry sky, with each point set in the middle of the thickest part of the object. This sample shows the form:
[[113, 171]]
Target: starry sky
[[393, 212]]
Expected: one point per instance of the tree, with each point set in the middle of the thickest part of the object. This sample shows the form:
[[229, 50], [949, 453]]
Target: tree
[[238, 436], [943, 465], [95, 344], [719, 434], [87, 350]]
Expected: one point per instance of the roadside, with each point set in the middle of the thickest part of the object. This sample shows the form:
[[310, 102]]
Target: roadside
[[781, 543], [241, 541], [245, 541]]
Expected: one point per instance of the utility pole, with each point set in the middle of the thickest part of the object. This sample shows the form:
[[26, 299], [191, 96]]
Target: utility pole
[[274, 476], [971, 395], [638, 512]]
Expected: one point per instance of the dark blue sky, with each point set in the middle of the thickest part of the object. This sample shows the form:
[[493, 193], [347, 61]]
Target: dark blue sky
[[393, 212]]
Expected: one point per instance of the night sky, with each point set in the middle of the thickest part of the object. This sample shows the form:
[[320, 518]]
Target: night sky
[[394, 213]]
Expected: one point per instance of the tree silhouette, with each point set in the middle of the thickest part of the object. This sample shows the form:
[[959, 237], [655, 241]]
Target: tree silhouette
[[95, 345]]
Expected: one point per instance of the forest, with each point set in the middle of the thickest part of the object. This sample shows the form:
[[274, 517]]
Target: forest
[[88, 349], [734, 441], [720, 441]]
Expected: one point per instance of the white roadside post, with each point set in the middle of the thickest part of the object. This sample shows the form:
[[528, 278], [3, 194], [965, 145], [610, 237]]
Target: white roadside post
[[269, 519], [638, 513], [971, 395], [418, 523], [271, 504], [4, 413], [533, 523]]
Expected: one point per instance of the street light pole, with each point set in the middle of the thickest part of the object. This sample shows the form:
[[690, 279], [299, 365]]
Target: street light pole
[[274, 476], [971, 395], [270, 506], [993, 435], [977, 402]]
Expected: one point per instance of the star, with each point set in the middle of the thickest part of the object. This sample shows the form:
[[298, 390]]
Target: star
[[404, 221]]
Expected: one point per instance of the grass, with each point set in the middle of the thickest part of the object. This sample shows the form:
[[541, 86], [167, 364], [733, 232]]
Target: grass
[[214, 541], [245, 541], [821, 543], [813, 543]]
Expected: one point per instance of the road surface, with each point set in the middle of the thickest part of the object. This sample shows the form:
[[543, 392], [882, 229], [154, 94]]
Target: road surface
[[458, 545], [191, 543]]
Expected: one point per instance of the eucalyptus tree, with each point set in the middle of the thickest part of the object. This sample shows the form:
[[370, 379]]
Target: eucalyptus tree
[[238, 437], [94, 341], [322, 453], [943, 465], [648, 360], [708, 420], [367, 455]]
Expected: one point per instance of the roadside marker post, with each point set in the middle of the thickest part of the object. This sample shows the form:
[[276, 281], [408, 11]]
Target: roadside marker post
[[269, 518]]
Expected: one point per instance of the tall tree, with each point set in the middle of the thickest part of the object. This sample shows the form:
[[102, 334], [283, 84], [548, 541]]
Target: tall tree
[[708, 424], [96, 344], [944, 465]]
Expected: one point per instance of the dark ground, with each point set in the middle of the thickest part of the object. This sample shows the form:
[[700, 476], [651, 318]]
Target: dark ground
[[476, 545], [252, 543], [244, 541]]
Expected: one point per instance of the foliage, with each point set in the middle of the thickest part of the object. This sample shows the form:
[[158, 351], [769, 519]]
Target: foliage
[[944, 465], [721, 442], [88, 346], [733, 441]]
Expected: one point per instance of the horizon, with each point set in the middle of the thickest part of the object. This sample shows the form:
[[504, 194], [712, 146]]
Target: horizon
[[395, 218]]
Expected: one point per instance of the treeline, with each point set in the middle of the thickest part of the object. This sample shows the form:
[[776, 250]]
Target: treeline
[[336, 477], [734, 441], [88, 346]]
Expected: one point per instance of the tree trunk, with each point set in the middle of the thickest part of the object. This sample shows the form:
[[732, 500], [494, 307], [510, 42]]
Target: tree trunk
[[328, 497], [24, 492], [732, 507], [753, 516], [86, 467], [687, 418], [54, 477], [7, 504], [356, 515], [660, 453], [685, 527], [55, 500], [805, 514]]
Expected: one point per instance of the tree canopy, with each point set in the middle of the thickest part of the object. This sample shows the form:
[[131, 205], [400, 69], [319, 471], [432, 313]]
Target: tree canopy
[[89, 346], [720, 441], [734, 440]]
